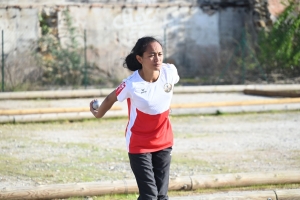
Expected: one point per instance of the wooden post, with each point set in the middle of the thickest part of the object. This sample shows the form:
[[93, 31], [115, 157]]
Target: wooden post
[[237, 103], [58, 94], [233, 180], [57, 116], [279, 93], [187, 105], [181, 183], [245, 179], [49, 110], [233, 195], [177, 90], [69, 190], [288, 194]]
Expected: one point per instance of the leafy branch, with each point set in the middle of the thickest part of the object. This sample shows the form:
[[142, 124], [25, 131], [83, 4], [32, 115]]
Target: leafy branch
[[280, 49]]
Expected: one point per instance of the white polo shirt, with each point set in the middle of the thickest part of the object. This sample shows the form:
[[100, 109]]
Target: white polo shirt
[[149, 128]]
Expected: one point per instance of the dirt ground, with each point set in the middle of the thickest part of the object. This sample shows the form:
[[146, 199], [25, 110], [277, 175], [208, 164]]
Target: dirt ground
[[94, 150]]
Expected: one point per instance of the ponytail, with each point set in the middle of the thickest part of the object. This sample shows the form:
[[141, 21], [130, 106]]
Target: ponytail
[[132, 63], [139, 48]]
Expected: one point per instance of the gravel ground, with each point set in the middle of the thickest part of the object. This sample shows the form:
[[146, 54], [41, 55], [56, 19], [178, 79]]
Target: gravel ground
[[94, 150]]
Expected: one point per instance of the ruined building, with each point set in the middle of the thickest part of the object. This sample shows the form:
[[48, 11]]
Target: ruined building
[[195, 33]]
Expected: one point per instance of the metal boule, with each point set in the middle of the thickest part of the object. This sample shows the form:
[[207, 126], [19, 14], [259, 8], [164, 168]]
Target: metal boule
[[96, 105]]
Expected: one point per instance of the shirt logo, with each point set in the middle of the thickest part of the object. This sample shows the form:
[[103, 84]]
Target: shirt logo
[[120, 88], [168, 87], [143, 91]]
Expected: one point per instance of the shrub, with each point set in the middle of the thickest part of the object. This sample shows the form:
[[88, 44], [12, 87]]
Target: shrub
[[279, 47]]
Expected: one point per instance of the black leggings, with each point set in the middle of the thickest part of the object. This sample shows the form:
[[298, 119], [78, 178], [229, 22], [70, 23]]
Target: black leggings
[[151, 171]]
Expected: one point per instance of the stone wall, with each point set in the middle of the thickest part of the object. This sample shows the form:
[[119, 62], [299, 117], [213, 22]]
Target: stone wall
[[193, 38], [20, 26]]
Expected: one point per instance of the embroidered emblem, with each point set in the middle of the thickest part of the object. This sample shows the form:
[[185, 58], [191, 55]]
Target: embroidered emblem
[[143, 91], [168, 87]]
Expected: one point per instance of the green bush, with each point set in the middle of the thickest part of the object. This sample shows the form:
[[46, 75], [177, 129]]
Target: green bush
[[280, 46], [62, 64]]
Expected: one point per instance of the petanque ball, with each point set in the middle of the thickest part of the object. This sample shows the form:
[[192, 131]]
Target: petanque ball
[[96, 105]]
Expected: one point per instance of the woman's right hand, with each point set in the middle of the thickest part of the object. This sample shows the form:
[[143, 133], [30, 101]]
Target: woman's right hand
[[93, 111], [105, 105]]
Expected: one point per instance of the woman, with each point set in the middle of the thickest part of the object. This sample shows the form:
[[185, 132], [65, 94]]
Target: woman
[[149, 136]]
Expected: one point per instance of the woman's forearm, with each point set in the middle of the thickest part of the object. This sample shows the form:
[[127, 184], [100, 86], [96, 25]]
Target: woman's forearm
[[107, 103]]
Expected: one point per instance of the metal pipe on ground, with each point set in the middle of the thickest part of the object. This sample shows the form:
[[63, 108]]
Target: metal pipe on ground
[[180, 183]]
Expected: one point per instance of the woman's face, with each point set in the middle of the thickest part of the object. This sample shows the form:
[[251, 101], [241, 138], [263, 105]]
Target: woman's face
[[152, 57]]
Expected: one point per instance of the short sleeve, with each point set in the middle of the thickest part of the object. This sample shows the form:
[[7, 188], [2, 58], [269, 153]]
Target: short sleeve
[[174, 73], [122, 91]]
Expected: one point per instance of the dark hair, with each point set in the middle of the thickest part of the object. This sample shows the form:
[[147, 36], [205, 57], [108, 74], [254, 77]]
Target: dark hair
[[139, 48]]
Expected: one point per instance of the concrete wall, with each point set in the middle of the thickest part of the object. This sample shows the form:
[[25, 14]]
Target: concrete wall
[[184, 31], [192, 38], [21, 28]]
